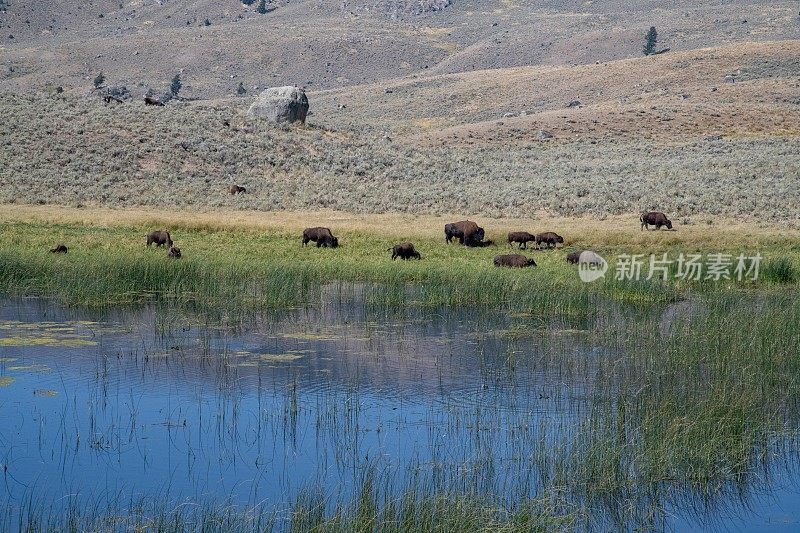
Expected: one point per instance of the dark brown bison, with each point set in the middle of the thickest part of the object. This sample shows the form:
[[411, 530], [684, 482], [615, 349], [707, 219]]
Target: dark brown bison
[[174, 252], [404, 250], [160, 238], [59, 249], [584, 256], [467, 232], [514, 261], [322, 236], [654, 218], [235, 189], [521, 237], [548, 238], [152, 100]]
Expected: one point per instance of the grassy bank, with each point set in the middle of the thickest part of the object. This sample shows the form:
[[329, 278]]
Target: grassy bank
[[257, 260]]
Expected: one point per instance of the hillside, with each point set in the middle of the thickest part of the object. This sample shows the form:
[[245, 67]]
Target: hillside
[[428, 106], [327, 44]]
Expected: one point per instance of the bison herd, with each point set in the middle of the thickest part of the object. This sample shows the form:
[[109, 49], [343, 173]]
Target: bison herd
[[467, 232]]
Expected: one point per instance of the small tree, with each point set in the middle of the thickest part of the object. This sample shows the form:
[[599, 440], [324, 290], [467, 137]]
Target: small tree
[[262, 7], [248, 2], [650, 41], [240, 90], [175, 86], [99, 80]]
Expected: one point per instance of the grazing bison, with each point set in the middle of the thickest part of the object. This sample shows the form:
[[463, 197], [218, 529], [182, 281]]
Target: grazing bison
[[235, 189], [404, 250], [467, 232], [175, 252], [152, 100], [548, 238], [59, 249], [160, 238], [521, 237], [654, 218], [322, 236], [514, 261], [584, 256]]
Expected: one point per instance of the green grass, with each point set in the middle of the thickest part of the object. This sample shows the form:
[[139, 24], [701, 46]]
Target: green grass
[[112, 266]]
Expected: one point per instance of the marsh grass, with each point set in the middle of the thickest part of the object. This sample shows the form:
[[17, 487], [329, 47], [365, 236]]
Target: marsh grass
[[110, 265], [694, 411]]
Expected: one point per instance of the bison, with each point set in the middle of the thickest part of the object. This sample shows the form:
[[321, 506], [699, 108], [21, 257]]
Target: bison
[[521, 237], [152, 100], [467, 232], [236, 189], [160, 238], [514, 261], [59, 249], [584, 256], [404, 250], [654, 218], [548, 238], [322, 236], [174, 252]]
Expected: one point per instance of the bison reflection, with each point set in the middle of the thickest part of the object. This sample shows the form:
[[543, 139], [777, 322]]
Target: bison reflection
[[322, 236], [404, 250], [514, 261]]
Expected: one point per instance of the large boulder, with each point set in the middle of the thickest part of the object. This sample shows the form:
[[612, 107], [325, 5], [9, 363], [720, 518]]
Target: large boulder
[[281, 104]]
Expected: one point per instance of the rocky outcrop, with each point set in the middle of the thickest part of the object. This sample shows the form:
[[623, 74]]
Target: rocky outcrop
[[281, 104]]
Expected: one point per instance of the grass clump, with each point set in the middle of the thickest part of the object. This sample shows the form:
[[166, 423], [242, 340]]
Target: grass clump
[[780, 270]]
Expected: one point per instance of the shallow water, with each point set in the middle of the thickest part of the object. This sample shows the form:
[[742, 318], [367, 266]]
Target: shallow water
[[155, 404]]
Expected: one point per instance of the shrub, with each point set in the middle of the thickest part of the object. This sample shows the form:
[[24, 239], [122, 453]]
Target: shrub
[[650, 41], [175, 85], [99, 80], [262, 7]]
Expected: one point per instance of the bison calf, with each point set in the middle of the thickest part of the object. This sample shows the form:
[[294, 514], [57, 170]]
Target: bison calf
[[236, 189], [522, 238], [514, 261], [322, 236], [654, 218], [404, 250], [174, 252], [584, 256], [548, 238], [59, 249], [160, 238]]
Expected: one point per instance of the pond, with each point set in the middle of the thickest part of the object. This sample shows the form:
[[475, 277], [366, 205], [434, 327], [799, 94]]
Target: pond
[[154, 403]]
